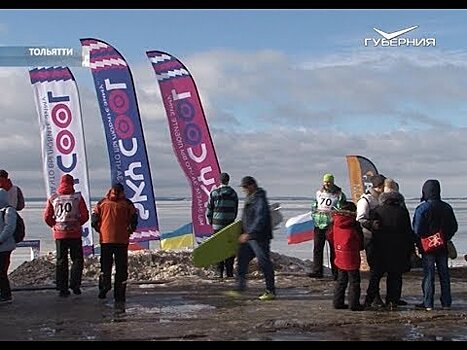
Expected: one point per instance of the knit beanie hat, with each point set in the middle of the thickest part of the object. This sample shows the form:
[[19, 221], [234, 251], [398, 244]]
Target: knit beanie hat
[[328, 178]]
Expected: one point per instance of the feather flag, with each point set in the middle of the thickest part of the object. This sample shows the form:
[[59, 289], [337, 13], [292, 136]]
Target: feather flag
[[361, 170], [129, 164], [191, 140], [178, 239], [299, 228], [62, 134]]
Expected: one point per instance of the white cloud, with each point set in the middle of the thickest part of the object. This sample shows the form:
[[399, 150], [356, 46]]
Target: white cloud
[[358, 84], [303, 112]]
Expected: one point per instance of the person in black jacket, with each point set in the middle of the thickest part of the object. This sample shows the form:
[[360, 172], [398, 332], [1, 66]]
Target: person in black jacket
[[256, 237], [393, 244]]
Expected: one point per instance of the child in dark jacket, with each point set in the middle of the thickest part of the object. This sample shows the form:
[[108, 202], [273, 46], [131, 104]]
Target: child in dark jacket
[[346, 237]]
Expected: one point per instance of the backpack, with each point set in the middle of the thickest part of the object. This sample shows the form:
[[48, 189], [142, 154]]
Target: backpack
[[20, 230], [276, 215]]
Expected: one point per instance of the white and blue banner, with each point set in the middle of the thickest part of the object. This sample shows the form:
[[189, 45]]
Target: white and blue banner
[[62, 137], [129, 163]]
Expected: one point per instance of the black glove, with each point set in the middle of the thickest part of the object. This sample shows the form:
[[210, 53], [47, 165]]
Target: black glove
[[95, 221], [375, 225]]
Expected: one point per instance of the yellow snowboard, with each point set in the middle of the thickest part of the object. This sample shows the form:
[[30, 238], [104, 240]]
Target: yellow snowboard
[[218, 247]]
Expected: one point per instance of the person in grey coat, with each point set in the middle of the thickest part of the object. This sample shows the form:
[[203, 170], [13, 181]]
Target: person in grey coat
[[7, 244]]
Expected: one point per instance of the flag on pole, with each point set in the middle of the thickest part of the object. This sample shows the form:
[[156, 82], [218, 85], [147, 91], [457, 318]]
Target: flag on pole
[[62, 135], [300, 228], [191, 139], [361, 170], [178, 239], [126, 146]]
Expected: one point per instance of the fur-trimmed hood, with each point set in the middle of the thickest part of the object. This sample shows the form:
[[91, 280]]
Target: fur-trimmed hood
[[394, 198]]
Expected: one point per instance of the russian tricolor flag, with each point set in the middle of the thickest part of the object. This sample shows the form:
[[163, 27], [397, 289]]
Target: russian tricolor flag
[[300, 228]]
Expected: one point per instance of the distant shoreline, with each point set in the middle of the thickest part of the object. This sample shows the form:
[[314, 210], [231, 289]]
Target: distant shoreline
[[171, 199]]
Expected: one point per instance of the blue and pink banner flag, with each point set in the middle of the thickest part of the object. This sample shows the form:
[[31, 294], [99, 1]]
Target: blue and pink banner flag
[[299, 228], [62, 136], [191, 140], [126, 146]]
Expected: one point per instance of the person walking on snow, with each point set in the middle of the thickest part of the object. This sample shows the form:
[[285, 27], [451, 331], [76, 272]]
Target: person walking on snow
[[255, 241], [115, 218]]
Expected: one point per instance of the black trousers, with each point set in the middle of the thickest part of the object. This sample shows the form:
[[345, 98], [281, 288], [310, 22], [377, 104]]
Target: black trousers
[[228, 264], [371, 260], [109, 251], [5, 290], [75, 246], [319, 241], [369, 251], [393, 285], [352, 278]]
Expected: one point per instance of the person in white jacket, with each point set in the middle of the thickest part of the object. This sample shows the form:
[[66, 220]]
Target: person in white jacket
[[365, 204]]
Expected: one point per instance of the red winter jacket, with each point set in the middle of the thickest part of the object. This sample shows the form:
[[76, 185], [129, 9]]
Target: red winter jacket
[[66, 211], [347, 240]]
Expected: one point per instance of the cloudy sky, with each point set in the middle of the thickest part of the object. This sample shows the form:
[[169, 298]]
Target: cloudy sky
[[287, 93]]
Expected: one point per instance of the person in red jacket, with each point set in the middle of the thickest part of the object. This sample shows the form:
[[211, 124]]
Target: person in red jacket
[[65, 213], [15, 195], [347, 239], [115, 218]]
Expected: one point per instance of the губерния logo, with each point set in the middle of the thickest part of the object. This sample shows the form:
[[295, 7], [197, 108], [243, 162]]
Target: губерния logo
[[393, 39]]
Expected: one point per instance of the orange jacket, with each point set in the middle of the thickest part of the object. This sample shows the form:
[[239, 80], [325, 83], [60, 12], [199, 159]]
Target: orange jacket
[[115, 219]]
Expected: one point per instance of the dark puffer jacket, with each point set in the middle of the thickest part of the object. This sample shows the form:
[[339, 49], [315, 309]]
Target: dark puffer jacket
[[256, 216], [433, 214], [393, 241]]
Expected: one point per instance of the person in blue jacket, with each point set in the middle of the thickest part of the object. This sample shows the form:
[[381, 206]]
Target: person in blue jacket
[[433, 215], [256, 237]]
